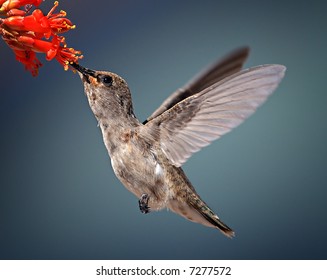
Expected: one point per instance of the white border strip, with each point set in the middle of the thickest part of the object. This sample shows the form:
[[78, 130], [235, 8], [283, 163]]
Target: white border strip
[[178, 269]]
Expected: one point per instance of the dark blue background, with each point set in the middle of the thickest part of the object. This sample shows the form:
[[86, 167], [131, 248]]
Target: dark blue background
[[59, 198]]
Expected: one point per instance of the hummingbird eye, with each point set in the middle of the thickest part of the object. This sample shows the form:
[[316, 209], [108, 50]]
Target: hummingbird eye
[[105, 79]]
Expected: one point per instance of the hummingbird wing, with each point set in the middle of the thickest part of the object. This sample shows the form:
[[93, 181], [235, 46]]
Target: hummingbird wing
[[226, 66], [203, 117]]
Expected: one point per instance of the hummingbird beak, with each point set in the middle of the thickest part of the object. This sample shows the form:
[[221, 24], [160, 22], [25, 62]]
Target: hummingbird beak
[[84, 71]]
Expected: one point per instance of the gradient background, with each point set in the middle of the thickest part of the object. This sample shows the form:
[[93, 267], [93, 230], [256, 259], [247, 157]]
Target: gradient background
[[59, 198]]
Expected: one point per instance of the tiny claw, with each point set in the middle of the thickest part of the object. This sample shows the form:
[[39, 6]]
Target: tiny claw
[[143, 203]]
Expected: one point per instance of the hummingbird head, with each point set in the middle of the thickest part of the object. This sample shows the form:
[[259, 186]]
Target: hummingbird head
[[108, 94]]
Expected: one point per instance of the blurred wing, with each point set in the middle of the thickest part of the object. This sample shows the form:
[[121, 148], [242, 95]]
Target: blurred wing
[[228, 65], [201, 118]]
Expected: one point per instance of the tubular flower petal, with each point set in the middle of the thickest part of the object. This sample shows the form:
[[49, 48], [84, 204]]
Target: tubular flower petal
[[35, 45], [15, 12], [29, 59], [27, 34]]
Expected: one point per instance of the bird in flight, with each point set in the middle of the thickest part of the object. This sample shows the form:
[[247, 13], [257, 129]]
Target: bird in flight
[[148, 157]]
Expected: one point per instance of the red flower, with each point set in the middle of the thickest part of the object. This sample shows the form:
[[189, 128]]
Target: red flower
[[38, 23], [53, 49], [29, 34]]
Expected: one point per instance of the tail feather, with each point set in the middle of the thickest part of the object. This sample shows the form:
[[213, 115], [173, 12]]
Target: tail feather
[[216, 222], [196, 210], [204, 210]]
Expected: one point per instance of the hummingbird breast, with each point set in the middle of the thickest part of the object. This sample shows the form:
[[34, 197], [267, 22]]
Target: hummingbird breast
[[141, 173]]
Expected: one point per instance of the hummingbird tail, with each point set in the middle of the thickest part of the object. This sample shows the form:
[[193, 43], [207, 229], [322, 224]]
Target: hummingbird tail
[[198, 211], [217, 223]]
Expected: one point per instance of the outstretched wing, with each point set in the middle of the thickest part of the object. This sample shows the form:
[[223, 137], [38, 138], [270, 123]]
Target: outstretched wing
[[222, 68], [203, 117]]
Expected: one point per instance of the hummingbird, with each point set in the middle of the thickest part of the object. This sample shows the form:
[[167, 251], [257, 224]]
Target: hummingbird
[[147, 157]]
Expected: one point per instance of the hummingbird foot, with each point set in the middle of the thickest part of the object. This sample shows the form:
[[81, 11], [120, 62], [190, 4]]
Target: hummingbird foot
[[143, 203]]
